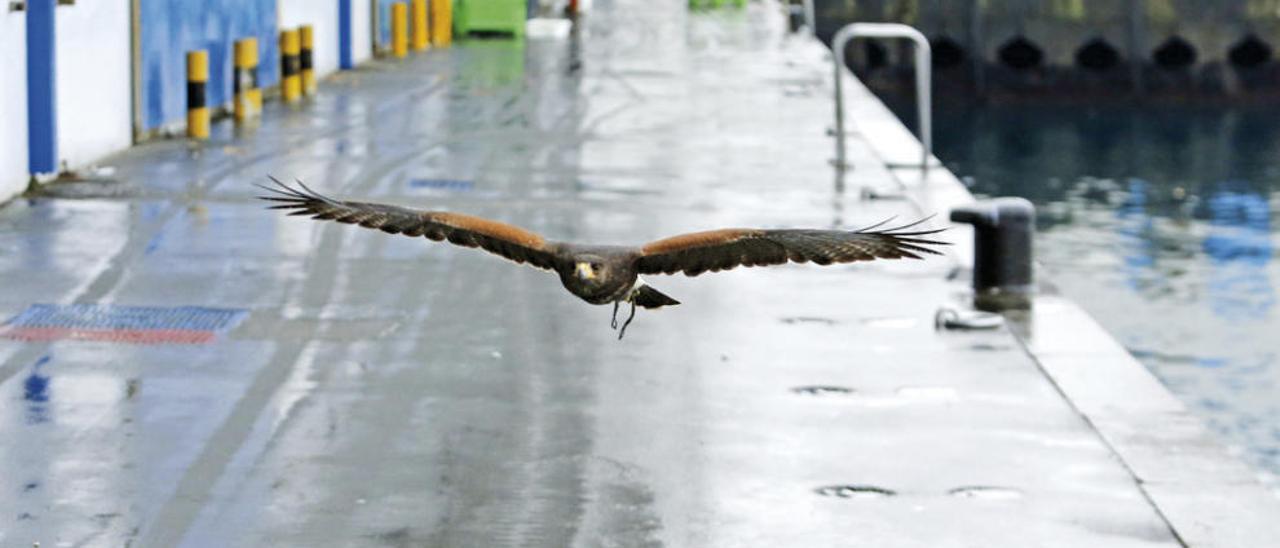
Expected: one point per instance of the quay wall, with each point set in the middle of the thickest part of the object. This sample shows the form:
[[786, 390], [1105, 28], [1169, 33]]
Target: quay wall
[[1224, 48]]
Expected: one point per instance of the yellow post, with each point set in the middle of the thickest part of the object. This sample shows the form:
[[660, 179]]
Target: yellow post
[[420, 32], [246, 95], [197, 104], [307, 63], [399, 29], [290, 66], [441, 22]]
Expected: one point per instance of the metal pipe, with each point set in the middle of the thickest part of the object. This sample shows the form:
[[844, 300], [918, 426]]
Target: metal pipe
[[135, 68], [924, 100]]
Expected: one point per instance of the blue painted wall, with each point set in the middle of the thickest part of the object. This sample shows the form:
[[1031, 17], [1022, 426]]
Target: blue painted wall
[[346, 57], [170, 29], [42, 98]]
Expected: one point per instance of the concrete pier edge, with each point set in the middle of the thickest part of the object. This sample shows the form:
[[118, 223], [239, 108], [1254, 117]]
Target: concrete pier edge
[[1206, 495]]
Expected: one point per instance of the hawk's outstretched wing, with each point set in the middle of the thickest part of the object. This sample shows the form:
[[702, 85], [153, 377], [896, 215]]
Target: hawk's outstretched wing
[[509, 241], [717, 250]]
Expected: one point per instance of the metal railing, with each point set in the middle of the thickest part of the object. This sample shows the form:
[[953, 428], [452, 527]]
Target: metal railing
[[923, 77]]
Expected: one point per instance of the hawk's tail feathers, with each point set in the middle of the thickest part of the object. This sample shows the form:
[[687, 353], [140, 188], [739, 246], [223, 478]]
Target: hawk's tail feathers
[[648, 297]]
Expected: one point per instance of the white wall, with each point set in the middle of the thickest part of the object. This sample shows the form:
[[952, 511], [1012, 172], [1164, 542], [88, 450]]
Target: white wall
[[361, 30], [13, 103], [322, 15], [94, 80]]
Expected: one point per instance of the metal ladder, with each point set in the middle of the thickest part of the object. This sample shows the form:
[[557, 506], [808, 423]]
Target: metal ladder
[[923, 68]]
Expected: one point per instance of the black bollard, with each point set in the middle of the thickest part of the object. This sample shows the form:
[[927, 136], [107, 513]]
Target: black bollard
[[1002, 262]]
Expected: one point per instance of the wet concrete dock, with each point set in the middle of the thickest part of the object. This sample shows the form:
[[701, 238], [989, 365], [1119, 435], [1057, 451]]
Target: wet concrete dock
[[388, 391]]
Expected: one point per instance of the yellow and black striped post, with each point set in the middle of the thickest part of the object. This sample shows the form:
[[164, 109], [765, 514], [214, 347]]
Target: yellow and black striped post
[[441, 22], [306, 60], [399, 29], [421, 34], [290, 66], [246, 95], [197, 104]]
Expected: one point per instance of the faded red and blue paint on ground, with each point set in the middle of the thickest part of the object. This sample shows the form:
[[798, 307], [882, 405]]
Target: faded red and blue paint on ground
[[124, 324]]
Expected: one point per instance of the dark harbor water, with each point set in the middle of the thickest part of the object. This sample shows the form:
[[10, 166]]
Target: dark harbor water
[[1161, 221]]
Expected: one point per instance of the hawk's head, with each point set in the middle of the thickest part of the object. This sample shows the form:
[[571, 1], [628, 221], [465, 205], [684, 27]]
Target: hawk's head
[[598, 276], [590, 270]]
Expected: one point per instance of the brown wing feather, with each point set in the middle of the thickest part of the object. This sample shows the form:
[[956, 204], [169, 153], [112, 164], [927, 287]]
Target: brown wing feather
[[698, 239], [724, 249], [509, 241]]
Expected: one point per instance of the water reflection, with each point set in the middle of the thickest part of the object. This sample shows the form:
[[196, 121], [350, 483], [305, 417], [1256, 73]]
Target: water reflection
[[1239, 246], [1134, 226], [35, 390], [1159, 221]]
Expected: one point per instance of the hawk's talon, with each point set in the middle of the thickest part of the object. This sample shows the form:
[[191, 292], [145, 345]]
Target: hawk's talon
[[628, 322]]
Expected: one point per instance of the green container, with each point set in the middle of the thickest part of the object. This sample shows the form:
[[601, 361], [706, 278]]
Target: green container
[[489, 15], [700, 4]]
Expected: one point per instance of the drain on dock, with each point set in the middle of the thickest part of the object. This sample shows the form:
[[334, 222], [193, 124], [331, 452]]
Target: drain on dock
[[823, 390], [854, 491], [124, 324]]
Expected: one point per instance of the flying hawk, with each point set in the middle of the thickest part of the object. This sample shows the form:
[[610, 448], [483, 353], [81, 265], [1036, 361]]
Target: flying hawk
[[602, 274]]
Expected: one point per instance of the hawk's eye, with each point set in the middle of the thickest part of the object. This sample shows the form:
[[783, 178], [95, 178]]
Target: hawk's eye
[[596, 266]]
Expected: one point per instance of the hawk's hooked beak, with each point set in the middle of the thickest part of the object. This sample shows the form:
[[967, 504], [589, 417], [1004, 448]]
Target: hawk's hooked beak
[[585, 272]]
